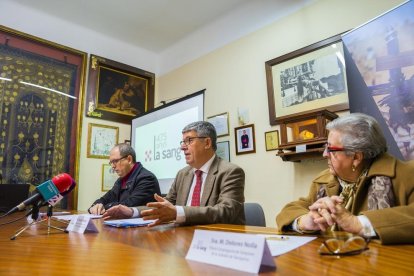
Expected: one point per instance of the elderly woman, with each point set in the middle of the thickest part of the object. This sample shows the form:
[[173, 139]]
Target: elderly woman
[[364, 191]]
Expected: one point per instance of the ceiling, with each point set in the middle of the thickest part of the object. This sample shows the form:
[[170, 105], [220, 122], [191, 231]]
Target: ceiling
[[156, 25]]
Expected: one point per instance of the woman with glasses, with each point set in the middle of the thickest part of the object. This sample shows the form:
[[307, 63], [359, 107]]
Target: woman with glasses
[[135, 186], [364, 191]]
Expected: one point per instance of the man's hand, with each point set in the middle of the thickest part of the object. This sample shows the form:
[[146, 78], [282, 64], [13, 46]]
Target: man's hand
[[118, 212], [162, 210], [97, 209]]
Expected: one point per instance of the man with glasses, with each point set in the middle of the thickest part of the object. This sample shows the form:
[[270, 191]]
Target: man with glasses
[[365, 191], [209, 190], [135, 185]]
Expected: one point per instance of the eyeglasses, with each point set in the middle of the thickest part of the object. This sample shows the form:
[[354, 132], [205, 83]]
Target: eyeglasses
[[330, 149], [114, 162], [189, 140], [343, 245]]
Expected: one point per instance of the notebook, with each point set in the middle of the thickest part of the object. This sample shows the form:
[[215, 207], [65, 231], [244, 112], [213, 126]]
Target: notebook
[[126, 223], [12, 194]]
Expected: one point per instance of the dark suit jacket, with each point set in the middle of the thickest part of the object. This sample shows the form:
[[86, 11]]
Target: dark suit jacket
[[223, 194], [140, 189]]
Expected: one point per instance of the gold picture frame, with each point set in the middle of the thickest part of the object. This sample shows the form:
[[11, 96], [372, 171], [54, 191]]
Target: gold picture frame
[[118, 92], [42, 94], [272, 140], [109, 177], [101, 139], [221, 123], [223, 150]]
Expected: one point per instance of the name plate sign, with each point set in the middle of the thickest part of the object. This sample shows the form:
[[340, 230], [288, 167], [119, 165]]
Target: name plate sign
[[245, 252], [81, 224]]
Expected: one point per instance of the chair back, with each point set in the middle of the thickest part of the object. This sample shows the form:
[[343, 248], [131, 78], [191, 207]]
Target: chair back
[[254, 214]]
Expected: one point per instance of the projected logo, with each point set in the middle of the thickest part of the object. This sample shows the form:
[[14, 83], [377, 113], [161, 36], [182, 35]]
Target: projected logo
[[148, 155], [161, 151]]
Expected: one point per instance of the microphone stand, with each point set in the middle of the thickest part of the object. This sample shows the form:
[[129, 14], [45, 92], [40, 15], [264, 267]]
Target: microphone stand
[[35, 216]]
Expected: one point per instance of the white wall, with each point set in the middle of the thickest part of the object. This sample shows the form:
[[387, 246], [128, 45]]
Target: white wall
[[233, 75]]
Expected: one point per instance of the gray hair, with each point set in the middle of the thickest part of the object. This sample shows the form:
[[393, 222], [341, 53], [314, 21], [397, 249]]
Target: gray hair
[[203, 128], [360, 132], [125, 150]]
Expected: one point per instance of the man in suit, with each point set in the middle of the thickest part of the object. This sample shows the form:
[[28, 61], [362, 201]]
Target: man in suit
[[215, 195], [135, 185]]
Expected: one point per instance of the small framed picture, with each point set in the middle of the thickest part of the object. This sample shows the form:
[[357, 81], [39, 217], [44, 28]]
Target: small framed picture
[[127, 142], [101, 139], [109, 177], [245, 141], [223, 150], [221, 123], [272, 140]]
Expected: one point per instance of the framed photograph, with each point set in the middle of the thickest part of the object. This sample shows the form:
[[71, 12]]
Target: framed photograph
[[41, 91], [223, 150], [272, 140], [118, 92], [101, 139], [109, 177], [127, 142], [245, 141], [221, 123], [309, 79]]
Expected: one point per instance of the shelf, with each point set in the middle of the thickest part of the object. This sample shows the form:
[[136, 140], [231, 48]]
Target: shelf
[[315, 153], [307, 131]]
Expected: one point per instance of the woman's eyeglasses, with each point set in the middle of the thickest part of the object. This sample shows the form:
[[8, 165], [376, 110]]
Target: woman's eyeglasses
[[343, 245], [330, 149]]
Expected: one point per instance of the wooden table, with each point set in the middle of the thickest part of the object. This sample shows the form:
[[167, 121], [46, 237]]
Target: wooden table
[[162, 250]]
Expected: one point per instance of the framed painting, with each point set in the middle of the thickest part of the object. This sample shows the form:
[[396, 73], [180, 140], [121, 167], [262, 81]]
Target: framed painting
[[245, 141], [221, 123], [101, 139], [381, 75], [41, 96], [272, 140], [223, 150], [109, 177], [118, 92], [309, 79]]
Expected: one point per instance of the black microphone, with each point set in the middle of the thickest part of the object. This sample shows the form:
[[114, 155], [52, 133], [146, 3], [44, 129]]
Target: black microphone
[[47, 190]]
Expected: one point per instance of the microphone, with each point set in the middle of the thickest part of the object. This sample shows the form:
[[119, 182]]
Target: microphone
[[59, 184], [54, 200], [71, 187]]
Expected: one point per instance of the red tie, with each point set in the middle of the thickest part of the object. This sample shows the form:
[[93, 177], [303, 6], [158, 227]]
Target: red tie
[[195, 200]]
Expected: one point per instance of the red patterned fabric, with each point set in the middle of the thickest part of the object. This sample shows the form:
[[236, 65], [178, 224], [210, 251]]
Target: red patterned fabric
[[195, 200]]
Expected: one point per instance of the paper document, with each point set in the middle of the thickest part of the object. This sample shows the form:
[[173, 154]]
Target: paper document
[[135, 222], [280, 244], [70, 217]]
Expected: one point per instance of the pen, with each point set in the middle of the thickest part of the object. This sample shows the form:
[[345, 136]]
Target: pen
[[281, 238]]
